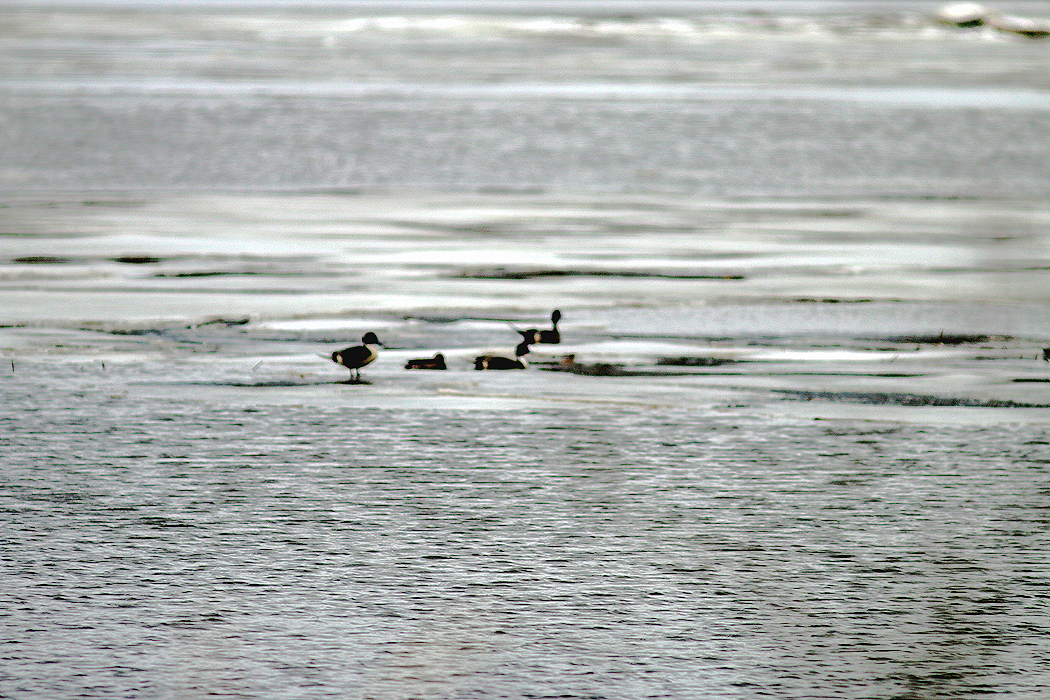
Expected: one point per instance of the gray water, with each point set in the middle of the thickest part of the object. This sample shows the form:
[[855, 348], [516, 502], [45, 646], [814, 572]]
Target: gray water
[[801, 256], [872, 102], [186, 548]]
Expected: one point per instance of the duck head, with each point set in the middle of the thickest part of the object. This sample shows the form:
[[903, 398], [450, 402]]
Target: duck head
[[530, 336]]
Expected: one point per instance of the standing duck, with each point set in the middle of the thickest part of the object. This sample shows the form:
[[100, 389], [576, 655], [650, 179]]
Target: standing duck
[[356, 357], [503, 362]]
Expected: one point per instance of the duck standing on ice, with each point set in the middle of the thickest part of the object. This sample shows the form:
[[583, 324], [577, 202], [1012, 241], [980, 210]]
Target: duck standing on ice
[[356, 357]]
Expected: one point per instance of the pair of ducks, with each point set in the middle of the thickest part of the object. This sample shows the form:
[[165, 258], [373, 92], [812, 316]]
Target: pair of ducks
[[356, 357], [532, 336]]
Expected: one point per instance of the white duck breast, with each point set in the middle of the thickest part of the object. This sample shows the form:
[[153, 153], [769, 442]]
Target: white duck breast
[[356, 357]]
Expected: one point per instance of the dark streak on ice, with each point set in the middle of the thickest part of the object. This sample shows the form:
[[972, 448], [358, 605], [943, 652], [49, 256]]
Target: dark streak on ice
[[504, 273], [893, 399]]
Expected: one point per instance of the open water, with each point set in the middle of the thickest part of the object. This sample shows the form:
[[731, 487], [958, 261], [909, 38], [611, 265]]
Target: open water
[[801, 449]]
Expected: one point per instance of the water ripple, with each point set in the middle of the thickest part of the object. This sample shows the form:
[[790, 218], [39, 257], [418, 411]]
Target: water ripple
[[450, 553]]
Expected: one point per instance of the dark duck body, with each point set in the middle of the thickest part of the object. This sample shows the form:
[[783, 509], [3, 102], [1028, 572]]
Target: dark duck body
[[547, 336], [601, 369], [356, 357], [503, 362], [435, 362]]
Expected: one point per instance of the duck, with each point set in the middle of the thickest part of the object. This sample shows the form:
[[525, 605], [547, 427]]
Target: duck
[[356, 357], [547, 336], [435, 362], [601, 369], [502, 362]]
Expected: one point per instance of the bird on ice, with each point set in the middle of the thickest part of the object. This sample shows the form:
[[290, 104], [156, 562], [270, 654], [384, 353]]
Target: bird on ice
[[547, 336], [356, 357], [494, 361]]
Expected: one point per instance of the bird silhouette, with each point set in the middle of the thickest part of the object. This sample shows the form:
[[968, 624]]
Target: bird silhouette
[[494, 361], [549, 336], [356, 357], [435, 362]]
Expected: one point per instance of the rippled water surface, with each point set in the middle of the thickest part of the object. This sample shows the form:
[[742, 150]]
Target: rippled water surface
[[250, 548], [794, 442]]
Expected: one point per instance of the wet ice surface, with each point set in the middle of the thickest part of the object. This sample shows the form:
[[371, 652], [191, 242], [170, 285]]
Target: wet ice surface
[[800, 449], [929, 298]]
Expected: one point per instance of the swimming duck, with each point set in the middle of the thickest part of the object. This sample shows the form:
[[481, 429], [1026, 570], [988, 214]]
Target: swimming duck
[[602, 369], [358, 356], [548, 337], [502, 362], [435, 362]]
